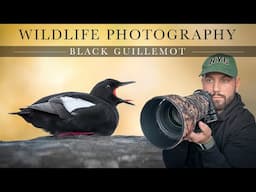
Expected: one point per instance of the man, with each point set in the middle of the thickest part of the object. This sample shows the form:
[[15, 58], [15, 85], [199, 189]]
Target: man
[[231, 140]]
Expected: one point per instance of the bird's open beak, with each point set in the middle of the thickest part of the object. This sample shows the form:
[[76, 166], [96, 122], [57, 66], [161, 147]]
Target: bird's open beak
[[126, 83], [127, 101]]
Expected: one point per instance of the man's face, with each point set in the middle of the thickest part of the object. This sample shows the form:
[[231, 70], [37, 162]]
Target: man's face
[[221, 87]]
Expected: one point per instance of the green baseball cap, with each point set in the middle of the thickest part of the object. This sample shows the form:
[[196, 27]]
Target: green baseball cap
[[220, 63]]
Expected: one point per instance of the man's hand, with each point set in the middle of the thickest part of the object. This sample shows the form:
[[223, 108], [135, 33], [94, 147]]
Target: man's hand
[[201, 137]]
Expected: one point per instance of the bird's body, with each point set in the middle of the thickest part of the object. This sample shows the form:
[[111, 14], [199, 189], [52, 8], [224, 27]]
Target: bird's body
[[77, 112]]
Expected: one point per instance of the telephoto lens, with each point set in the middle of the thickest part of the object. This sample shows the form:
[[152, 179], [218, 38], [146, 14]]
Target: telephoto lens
[[165, 120]]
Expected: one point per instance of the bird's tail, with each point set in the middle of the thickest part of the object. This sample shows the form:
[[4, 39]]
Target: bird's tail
[[21, 112], [14, 113]]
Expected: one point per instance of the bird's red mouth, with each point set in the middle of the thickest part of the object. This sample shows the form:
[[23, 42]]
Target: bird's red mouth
[[114, 92], [128, 101]]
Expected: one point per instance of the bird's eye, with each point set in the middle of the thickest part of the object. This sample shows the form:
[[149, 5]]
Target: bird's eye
[[108, 86]]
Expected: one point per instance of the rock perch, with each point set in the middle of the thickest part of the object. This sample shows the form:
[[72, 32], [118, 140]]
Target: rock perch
[[81, 152]]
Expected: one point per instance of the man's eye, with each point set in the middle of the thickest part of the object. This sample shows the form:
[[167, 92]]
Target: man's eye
[[225, 80], [209, 80]]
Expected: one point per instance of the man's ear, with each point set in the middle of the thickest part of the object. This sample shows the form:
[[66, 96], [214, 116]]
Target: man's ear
[[237, 83], [202, 78]]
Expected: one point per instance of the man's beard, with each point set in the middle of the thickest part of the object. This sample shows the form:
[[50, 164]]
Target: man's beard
[[220, 103]]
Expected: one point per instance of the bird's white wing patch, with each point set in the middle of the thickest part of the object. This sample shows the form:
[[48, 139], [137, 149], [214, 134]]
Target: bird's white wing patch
[[72, 104]]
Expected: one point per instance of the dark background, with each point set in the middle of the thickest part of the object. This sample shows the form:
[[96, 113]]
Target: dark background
[[128, 12]]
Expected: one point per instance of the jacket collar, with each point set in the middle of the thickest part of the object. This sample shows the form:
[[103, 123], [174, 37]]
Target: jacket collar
[[236, 102]]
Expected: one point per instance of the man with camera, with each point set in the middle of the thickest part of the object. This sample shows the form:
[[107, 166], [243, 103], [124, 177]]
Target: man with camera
[[229, 142]]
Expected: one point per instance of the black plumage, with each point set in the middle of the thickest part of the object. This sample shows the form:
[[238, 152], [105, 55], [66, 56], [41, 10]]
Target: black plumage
[[77, 112]]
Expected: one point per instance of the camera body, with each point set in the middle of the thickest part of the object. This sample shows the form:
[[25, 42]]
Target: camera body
[[165, 120]]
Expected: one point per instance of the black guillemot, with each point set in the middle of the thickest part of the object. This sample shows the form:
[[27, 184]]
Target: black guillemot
[[77, 113]]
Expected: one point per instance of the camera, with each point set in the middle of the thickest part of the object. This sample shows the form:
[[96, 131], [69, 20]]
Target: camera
[[165, 120]]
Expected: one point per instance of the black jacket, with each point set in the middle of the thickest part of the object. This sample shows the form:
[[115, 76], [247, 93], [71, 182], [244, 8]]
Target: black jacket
[[235, 137]]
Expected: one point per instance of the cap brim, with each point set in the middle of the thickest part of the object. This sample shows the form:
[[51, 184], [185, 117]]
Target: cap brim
[[217, 71]]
